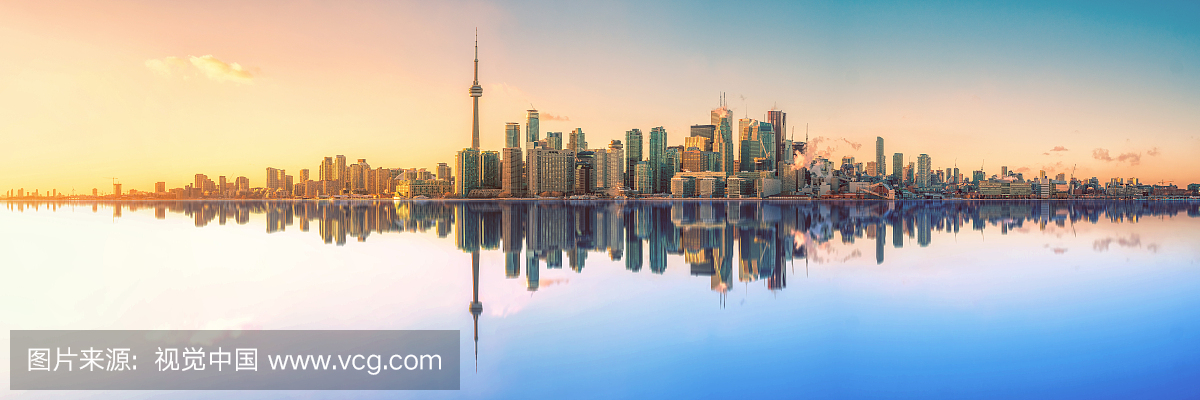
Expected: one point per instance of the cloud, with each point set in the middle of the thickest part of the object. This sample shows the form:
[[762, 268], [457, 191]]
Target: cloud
[[1059, 148], [552, 117], [1103, 155], [207, 66], [221, 71], [1045, 154], [1133, 241], [1152, 152], [1060, 250]]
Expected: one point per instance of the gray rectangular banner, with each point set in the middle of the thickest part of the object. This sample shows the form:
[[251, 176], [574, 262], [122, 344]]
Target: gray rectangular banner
[[234, 360]]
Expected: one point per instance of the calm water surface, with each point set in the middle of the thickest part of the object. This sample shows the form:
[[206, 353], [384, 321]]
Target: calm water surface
[[957, 299]]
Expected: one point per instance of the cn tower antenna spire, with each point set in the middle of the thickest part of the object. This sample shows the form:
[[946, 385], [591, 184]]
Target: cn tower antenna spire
[[476, 93]]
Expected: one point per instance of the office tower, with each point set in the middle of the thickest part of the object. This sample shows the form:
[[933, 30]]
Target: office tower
[[512, 134], [723, 137], [1003, 171], [872, 168], [554, 140], [358, 176], [584, 170], [778, 121], [466, 171], [923, 171], [304, 175], [339, 173], [957, 176], [532, 128], [550, 170], [116, 190], [95, 191], [159, 187], [698, 142], [704, 131], [489, 169], [880, 164], [657, 156], [768, 147], [512, 172], [633, 155], [898, 167], [747, 135], [272, 174], [443, 171], [476, 93], [577, 142], [616, 167], [909, 171], [599, 169], [325, 170], [643, 178]]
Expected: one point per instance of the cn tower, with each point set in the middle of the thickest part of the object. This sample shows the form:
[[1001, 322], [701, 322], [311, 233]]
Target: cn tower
[[476, 93]]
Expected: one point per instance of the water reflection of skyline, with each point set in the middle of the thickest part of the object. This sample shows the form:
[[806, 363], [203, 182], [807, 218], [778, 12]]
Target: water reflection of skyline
[[764, 236]]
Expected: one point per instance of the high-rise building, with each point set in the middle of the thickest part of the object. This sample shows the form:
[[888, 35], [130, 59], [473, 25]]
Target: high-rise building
[[554, 140], [512, 172], [532, 128], [512, 134], [466, 171], [633, 155], [159, 187], [443, 172], [476, 93], [358, 176], [722, 118], [657, 156], [923, 171], [577, 140], [616, 166], [880, 163], [489, 169], [303, 175], [898, 167], [584, 172], [550, 170], [643, 178], [872, 168], [698, 142], [778, 121], [705, 131], [1003, 171], [339, 173]]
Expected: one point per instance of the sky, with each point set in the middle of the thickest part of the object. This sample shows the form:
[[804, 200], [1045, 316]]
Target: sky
[[161, 91]]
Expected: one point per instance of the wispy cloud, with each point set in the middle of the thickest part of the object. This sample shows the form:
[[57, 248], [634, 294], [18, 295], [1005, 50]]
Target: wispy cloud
[[1152, 152], [1059, 148], [207, 66], [1103, 155], [552, 117]]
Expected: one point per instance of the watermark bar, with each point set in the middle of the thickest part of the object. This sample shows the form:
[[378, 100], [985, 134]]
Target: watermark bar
[[234, 360]]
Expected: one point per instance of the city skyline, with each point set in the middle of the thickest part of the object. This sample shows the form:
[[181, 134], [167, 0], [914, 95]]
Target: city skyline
[[112, 102]]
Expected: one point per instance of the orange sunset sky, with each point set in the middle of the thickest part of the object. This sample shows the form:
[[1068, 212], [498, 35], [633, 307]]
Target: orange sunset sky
[[160, 91]]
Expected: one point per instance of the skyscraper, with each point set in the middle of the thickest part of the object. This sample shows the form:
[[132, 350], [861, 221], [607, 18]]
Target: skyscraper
[[512, 172], [489, 169], [466, 171], [616, 167], [704, 131], [923, 170], [633, 155], [778, 121], [577, 142], [880, 165], [339, 173], [512, 135], [532, 129], [898, 167], [554, 140], [476, 93], [723, 138], [657, 155]]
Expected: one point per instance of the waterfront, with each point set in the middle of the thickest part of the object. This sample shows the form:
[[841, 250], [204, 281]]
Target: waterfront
[[978, 299]]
